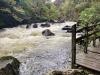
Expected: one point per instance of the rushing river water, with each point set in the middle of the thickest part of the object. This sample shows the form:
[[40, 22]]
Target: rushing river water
[[38, 54]]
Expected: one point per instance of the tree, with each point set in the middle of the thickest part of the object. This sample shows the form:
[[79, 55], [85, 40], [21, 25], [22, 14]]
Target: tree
[[89, 15]]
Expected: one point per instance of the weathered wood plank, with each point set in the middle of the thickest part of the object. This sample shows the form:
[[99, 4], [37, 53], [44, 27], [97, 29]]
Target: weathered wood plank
[[88, 65], [88, 59], [91, 61], [90, 56], [95, 50]]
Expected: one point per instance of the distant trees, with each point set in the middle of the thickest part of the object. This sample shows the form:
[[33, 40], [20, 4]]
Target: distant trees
[[73, 9], [28, 11], [91, 14]]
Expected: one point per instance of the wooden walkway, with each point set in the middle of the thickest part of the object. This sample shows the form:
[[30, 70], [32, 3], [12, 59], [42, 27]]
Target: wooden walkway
[[91, 59]]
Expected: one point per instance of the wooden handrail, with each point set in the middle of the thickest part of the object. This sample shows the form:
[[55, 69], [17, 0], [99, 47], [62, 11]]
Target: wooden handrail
[[89, 28], [79, 30], [82, 37], [88, 33]]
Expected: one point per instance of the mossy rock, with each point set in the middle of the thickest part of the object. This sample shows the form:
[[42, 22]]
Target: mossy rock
[[68, 72], [11, 66], [57, 73]]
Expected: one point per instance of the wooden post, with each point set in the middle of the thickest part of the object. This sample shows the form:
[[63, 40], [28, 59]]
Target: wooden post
[[86, 39], [73, 46]]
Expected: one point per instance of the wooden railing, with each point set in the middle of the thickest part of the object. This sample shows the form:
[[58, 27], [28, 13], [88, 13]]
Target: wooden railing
[[89, 31]]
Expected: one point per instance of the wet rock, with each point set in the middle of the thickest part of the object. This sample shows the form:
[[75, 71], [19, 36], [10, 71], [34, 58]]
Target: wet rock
[[45, 25], [47, 32], [35, 25], [68, 28], [57, 73], [9, 66], [60, 21], [1, 30], [68, 72], [28, 26]]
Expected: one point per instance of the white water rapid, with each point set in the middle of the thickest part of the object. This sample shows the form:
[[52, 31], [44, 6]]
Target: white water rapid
[[37, 54]]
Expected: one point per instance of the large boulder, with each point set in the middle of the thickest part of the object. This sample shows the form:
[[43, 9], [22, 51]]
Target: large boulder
[[35, 25], [45, 25], [9, 66], [68, 28], [47, 32]]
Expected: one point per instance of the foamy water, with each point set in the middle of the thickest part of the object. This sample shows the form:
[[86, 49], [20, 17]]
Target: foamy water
[[37, 54]]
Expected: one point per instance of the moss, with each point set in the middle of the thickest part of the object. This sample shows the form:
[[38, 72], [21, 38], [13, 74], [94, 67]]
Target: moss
[[10, 68], [57, 73], [76, 72], [6, 58], [90, 71]]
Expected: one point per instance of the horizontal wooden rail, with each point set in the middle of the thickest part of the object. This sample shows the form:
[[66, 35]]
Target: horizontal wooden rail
[[89, 28], [82, 37], [79, 30]]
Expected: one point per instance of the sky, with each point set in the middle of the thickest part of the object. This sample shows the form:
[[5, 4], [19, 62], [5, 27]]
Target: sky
[[52, 0]]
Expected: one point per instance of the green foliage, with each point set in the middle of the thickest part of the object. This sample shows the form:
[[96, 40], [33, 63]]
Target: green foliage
[[73, 8], [97, 7], [53, 12], [13, 12], [26, 7], [80, 7], [67, 9], [11, 2], [89, 15]]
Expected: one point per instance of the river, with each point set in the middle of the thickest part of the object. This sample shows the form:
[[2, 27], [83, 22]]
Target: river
[[38, 54]]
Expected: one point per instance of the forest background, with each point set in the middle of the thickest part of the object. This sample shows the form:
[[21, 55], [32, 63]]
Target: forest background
[[16, 12]]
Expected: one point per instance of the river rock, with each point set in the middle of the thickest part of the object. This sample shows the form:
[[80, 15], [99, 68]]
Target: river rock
[[28, 26], [9, 66], [68, 72], [35, 25], [45, 25], [47, 32], [68, 28]]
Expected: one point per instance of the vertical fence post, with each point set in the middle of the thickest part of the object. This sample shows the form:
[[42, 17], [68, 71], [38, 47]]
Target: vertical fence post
[[86, 38], [73, 46]]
